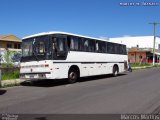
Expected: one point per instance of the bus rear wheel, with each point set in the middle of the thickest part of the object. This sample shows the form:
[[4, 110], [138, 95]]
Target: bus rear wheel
[[115, 71], [72, 76]]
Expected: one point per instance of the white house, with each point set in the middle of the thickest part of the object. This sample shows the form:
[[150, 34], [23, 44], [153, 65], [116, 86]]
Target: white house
[[138, 41]]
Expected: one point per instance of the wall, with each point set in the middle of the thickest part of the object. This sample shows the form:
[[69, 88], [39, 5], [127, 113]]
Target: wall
[[134, 57], [3, 44]]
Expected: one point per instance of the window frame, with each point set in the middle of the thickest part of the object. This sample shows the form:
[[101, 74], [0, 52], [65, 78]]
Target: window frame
[[9, 45]]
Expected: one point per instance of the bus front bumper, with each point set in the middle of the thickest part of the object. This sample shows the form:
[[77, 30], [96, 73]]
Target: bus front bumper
[[46, 75]]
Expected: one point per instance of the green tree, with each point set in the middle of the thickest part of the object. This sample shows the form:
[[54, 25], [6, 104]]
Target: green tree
[[8, 57]]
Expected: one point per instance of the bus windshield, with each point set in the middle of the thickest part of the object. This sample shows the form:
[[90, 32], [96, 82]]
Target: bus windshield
[[27, 48], [35, 48]]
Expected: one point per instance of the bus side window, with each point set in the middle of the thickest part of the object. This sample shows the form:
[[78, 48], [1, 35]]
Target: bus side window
[[113, 48], [41, 48], [106, 47], [120, 49], [80, 44], [86, 45], [124, 50], [61, 44], [100, 46], [74, 43], [58, 44], [54, 46], [116, 48], [97, 46], [91, 45], [103, 47], [69, 42], [110, 48]]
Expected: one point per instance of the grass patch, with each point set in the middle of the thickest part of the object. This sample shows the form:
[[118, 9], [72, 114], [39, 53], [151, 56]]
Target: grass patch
[[157, 65], [9, 76], [140, 65], [4, 65]]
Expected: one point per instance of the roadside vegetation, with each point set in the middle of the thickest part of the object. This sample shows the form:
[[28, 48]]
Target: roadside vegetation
[[140, 65], [9, 69], [10, 75], [157, 65]]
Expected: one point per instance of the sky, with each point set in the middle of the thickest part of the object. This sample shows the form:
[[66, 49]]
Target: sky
[[95, 18]]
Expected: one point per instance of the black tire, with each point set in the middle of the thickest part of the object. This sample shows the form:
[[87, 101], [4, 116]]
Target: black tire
[[115, 71], [72, 76]]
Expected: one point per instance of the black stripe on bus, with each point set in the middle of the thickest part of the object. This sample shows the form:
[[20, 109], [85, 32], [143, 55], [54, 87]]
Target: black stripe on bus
[[36, 73], [89, 62]]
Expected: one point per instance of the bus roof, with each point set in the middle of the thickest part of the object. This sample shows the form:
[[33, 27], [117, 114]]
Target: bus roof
[[65, 33]]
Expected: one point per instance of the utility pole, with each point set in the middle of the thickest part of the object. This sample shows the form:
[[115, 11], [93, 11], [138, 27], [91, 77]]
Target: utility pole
[[0, 67], [154, 41]]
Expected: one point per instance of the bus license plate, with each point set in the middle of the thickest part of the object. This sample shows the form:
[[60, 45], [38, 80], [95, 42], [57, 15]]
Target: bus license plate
[[31, 76]]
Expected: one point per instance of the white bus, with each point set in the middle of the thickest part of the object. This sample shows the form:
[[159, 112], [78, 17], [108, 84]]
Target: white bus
[[58, 55]]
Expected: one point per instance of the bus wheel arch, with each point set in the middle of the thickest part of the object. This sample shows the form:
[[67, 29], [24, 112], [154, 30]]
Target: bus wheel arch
[[73, 74], [115, 70]]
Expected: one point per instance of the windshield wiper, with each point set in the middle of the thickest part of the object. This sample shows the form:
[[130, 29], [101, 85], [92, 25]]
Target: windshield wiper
[[35, 55]]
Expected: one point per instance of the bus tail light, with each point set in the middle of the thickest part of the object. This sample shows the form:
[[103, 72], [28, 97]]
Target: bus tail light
[[46, 65]]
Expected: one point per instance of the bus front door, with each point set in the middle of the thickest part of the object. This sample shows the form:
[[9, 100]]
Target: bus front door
[[60, 47]]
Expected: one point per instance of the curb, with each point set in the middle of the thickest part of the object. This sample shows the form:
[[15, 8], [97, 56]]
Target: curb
[[7, 83]]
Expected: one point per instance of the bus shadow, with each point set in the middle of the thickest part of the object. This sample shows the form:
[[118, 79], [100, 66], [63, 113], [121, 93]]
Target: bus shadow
[[2, 92], [98, 77], [61, 82], [44, 83]]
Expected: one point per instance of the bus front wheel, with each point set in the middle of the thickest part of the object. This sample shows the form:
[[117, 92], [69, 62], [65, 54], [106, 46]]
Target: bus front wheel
[[72, 76]]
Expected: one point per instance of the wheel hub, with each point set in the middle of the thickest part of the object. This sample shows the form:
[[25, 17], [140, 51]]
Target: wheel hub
[[72, 75]]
